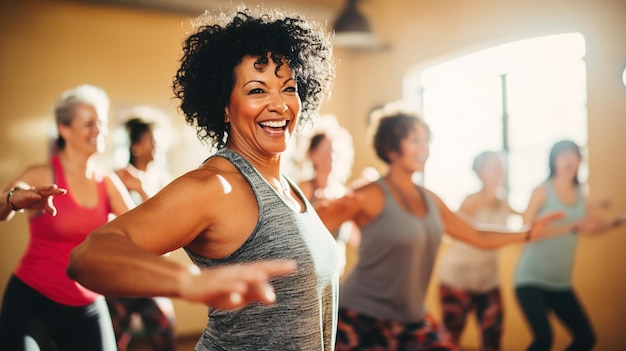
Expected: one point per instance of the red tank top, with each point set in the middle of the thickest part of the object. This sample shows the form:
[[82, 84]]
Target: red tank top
[[52, 239]]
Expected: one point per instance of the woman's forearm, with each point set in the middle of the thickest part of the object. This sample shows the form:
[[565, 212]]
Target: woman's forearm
[[494, 237], [554, 230], [6, 211], [112, 265], [482, 235]]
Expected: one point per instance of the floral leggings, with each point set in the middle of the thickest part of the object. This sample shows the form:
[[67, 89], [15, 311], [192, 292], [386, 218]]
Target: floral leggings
[[359, 332], [456, 305], [157, 316]]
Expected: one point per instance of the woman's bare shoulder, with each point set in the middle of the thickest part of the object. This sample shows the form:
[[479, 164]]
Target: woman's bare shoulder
[[471, 203], [432, 194], [372, 195], [540, 191], [217, 179], [204, 175], [37, 174], [369, 188]]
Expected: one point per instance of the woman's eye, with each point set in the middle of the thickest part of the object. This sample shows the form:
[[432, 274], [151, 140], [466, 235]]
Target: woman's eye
[[290, 89], [255, 91]]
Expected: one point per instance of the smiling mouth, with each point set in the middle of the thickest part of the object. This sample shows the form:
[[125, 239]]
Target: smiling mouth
[[273, 125]]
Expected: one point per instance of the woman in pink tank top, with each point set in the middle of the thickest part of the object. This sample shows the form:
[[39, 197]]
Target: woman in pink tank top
[[41, 305]]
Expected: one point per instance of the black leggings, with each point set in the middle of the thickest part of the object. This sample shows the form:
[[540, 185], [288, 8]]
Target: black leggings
[[30, 321], [537, 302]]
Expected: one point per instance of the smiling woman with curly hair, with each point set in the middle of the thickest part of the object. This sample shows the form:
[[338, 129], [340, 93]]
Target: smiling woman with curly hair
[[205, 79], [246, 82]]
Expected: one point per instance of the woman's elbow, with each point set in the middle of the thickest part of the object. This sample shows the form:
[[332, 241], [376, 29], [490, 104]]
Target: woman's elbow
[[74, 267], [83, 261]]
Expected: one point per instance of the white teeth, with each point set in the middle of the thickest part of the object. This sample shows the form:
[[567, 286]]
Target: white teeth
[[274, 124]]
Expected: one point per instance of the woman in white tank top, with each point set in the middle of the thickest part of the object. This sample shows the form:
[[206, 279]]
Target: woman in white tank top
[[469, 275]]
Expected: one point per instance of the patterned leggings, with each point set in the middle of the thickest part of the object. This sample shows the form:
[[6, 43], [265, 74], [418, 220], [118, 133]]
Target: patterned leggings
[[359, 332], [157, 316], [456, 305]]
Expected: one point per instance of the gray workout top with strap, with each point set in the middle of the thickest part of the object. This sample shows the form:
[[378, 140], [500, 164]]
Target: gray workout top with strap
[[396, 258], [304, 315]]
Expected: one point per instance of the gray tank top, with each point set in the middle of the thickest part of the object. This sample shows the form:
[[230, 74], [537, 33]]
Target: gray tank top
[[304, 315], [396, 258]]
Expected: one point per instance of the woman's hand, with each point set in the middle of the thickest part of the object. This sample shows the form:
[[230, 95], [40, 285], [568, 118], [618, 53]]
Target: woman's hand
[[619, 220], [537, 228], [234, 286], [131, 182], [595, 225], [38, 198], [590, 224]]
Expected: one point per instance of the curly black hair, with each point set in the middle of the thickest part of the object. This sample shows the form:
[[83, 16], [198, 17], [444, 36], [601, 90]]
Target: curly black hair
[[206, 77]]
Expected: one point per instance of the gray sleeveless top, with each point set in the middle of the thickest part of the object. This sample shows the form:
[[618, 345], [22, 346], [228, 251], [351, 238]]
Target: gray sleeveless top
[[396, 258], [304, 316]]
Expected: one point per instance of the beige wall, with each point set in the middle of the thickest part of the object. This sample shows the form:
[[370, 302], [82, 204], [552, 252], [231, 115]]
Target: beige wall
[[46, 47]]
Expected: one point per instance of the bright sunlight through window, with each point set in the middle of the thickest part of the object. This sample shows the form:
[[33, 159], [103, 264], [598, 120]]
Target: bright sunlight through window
[[518, 98]]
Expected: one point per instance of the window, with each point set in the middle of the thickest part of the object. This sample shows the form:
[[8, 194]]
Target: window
[[518, 98]]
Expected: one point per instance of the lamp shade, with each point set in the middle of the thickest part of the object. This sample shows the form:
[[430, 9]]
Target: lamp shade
[[352, 30], [351, 20]]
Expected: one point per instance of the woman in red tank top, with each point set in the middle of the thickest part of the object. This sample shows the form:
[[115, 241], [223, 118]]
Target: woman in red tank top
[[41, 304]]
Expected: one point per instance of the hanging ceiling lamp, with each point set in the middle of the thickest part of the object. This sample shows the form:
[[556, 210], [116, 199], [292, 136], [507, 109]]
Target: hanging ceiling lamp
[[353, 31]]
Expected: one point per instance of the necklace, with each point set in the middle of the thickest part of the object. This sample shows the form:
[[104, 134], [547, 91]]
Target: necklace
[[284, 188], [280, 186]]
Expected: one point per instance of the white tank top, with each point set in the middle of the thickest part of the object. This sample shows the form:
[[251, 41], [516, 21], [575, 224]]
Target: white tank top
[[467, 267]]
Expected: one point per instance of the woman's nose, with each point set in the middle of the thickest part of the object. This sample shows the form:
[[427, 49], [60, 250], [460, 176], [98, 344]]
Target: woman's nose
[[277, 104]]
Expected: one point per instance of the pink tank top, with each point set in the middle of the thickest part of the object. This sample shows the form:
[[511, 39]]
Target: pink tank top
[[52, 239]]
